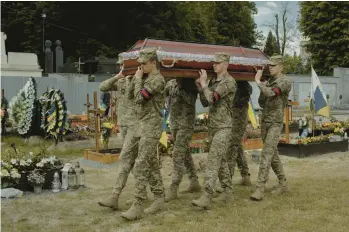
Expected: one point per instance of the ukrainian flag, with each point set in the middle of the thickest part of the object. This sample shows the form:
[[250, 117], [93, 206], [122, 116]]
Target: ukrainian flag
[[252, 114], [163, 139], [318, 101]]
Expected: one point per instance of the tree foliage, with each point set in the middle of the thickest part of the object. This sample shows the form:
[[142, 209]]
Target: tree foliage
[[270, 45], [90, 29], [326, 24], [294, 65]]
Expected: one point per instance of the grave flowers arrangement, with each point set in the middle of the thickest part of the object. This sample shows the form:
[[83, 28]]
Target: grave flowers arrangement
[[4, 114], [23, 107], [26, 162], [54, 117], [35, 178], [9, 175], [106, 130]]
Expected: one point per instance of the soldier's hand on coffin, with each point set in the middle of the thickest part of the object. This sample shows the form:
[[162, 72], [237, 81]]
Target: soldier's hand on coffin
[[139, 73], [203, 78], [197, 83], [120, 74], [259, 74]]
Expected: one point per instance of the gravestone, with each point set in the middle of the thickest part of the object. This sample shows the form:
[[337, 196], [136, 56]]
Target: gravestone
[[3, 48], [59, 57], [48, 57]]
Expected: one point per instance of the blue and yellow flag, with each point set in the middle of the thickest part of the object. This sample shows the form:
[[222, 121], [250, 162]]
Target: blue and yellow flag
[[163, 138], [252, 114], [318, 101]]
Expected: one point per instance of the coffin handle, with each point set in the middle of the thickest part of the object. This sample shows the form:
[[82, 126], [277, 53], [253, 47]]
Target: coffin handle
[[169, 66]]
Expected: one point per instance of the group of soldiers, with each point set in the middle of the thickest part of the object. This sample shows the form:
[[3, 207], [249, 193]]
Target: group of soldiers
[[140, 112]]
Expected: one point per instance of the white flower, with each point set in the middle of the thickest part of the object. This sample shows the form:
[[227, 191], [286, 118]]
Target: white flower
[[3, 163], [15, 174], [44, 161], [29, 161], [13, 161], [23, 163], [40, 164], [4, 172]]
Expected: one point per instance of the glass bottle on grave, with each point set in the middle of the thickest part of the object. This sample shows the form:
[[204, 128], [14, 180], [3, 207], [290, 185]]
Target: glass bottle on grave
[[72, 179], [82, 178]]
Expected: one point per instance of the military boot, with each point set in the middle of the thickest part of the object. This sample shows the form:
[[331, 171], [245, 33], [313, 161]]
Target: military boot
[[258, 193], [158, 204], [129, 202], [204, 201], [111, 202], [281, 188], [219, 189], [193, 187], [246, 181], [134, 213], [226, 196], [171, 194]]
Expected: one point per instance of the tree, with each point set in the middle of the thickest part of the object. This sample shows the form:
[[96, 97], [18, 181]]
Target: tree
[[91, 28], [294, 65], [326, 24], [270, 47], [22, 22], [236, 25], [285, 30]]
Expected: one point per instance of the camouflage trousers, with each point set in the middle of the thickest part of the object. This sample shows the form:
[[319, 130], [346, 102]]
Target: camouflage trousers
[[181, 157], [147, 170], [270, 155], [238, 158], [236, 154], [123, 131], [217, 167], [127, 161]]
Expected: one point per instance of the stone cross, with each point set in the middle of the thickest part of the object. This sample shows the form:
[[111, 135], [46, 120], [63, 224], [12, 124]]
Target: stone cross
[[59, 57]]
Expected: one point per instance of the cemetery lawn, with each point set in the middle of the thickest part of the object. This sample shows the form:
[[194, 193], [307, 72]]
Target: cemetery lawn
[[318, 201]]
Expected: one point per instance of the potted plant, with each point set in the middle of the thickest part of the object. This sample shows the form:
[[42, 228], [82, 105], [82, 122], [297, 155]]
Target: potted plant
[[37, 180]]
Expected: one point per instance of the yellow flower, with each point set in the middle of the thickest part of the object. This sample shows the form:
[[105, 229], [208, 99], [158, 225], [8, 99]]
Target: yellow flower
[[108, 125]]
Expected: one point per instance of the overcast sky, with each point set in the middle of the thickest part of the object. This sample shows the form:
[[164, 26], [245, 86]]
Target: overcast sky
[[266, 11]]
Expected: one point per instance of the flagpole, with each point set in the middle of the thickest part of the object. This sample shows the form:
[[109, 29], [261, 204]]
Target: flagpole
[[312, 102]]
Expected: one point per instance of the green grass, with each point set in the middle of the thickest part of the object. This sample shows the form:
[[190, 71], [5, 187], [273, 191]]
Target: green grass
[[318, 201]]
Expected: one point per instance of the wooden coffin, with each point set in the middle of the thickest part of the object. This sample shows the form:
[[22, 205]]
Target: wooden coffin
[[181, 59]]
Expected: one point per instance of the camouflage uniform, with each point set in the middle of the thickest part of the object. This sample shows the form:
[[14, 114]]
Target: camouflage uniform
[[219, 95], [273, 99], [240, 108], [130, 147], [125, 109], [182, 111]]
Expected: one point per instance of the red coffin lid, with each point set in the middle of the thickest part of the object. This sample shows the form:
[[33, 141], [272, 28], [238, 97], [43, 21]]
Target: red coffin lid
[[190, 57]]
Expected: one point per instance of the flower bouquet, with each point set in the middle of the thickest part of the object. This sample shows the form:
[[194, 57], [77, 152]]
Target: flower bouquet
[[106, 130], [37, 180], [22, 108]]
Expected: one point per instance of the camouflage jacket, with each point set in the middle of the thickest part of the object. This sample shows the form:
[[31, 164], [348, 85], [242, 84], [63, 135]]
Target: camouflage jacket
[[242, 96], [219, 96], [149, 99], [126, 107], [182, 106], [273, 98]]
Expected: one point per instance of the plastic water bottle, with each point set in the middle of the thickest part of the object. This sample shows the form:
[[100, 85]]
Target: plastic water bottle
[[345, 135]]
